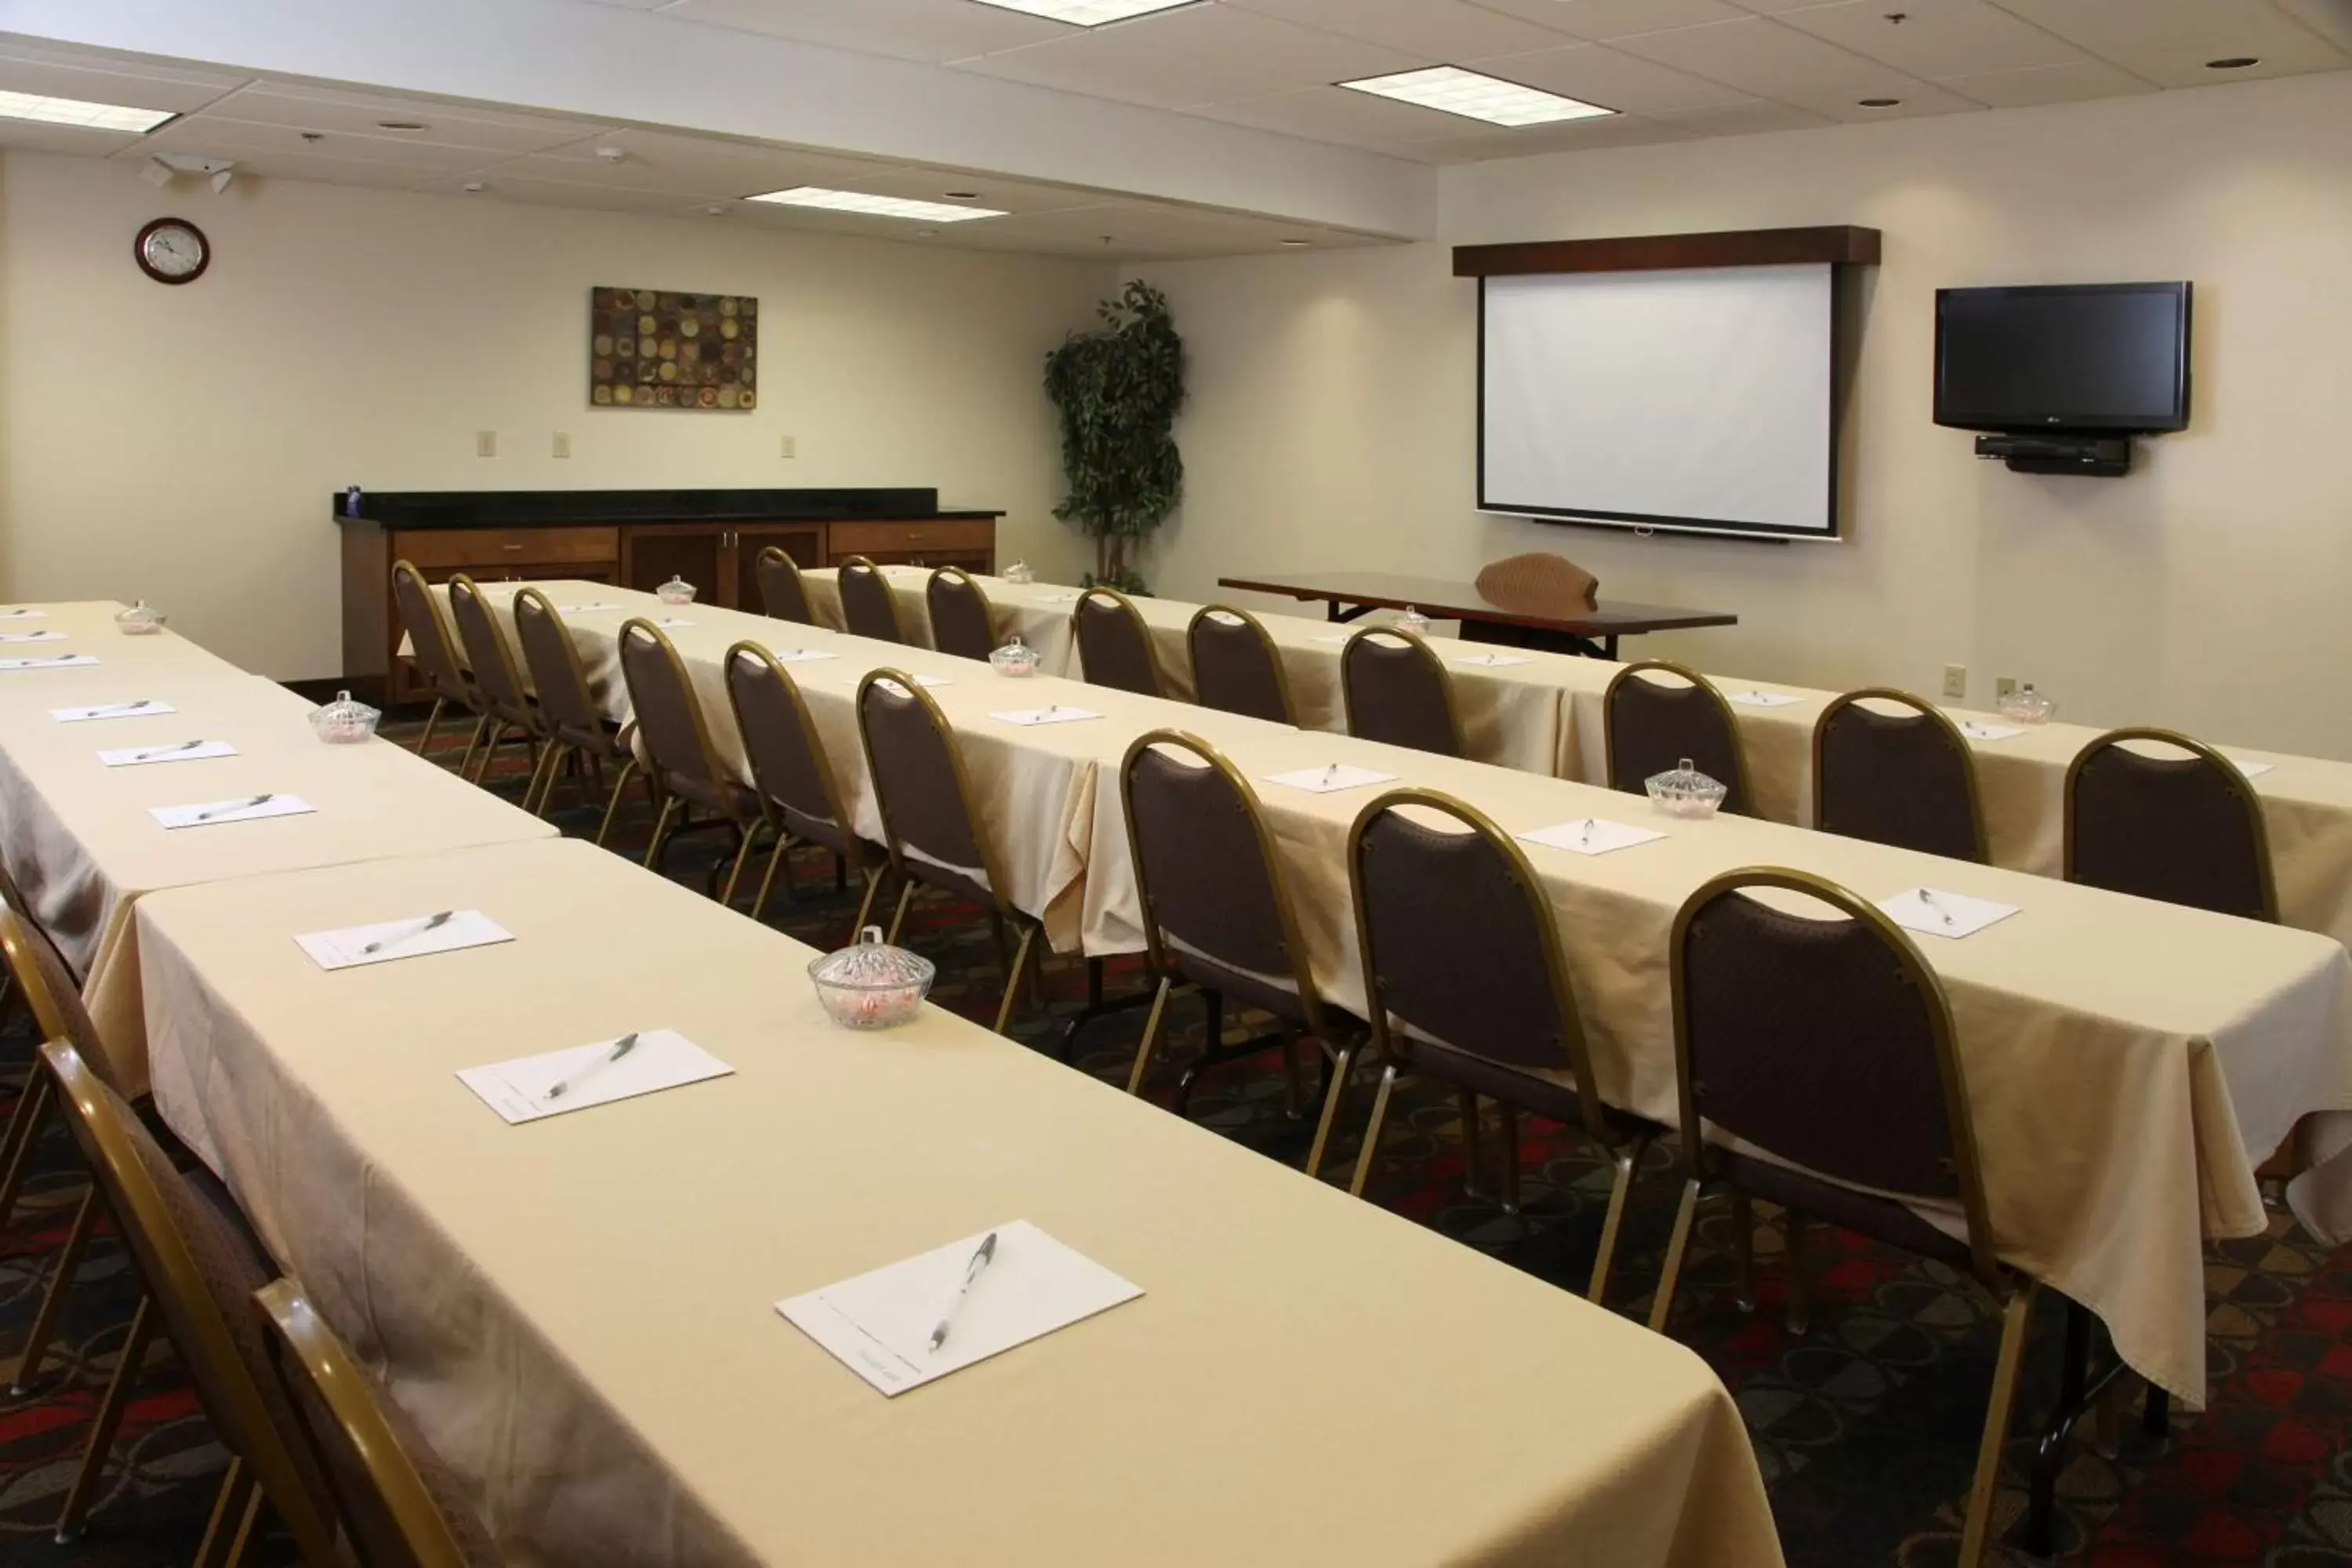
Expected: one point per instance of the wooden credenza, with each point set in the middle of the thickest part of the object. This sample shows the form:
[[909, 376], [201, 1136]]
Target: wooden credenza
[[630, 538]]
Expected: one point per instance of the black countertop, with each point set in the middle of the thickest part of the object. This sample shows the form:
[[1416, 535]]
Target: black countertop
[[412, 510]]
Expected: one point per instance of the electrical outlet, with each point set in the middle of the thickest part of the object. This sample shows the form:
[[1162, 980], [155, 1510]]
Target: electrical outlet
[[1956, 681], [486, 443], [788, 447], [2004, 687], [564, 443]]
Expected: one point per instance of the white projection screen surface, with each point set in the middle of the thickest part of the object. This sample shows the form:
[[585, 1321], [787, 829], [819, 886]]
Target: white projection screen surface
[[1690, 399]]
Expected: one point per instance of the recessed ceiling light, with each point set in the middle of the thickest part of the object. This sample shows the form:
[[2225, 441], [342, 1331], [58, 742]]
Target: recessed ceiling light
[[473, 187], [400, 126], [1086, 13], [874, 206], [962, 195], [1878, 102], [82, 113], [1297, 242], [2233, 62], [1474, 95]]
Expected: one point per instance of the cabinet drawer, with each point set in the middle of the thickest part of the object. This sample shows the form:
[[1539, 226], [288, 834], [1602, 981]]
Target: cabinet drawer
[[487, 547], [847, 539]]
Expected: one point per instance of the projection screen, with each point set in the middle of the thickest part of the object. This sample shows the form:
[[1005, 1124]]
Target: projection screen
[[1690, 400]]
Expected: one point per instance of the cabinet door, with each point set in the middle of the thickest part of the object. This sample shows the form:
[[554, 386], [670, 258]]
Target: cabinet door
[[804, 542], [651, 556]]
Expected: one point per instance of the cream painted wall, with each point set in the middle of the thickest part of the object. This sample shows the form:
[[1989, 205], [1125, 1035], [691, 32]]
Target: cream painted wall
[[179, 444], [1333, 409]]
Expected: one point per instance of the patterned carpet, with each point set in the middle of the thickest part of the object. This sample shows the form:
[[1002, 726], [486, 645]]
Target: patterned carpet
[[1865, 1426]]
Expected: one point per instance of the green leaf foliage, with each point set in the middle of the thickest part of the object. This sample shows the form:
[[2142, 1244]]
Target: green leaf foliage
[[1119, 391]]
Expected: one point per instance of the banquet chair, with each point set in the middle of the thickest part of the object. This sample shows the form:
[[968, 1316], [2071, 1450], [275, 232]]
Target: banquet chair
[[1396, 690], [2185, 829], [960, 624], [681, 763], [201, 1265], [782, 592], [1217, 915], [430, 644], [33, 1100], [1460, 946], [1819, 1052], [497, 678], [1652, 725], [791, 773], [927, 826], [1904, 779], [400, 1506], [868, 608], [575, 725], [1114, 645], [1236, 668]]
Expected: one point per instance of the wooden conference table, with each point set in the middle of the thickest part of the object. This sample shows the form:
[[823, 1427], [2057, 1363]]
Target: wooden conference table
[[578, 1311], [1348, 595], [2128, 1062]]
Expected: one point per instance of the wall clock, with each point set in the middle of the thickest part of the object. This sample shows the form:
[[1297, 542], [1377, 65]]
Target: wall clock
[[173, 250]]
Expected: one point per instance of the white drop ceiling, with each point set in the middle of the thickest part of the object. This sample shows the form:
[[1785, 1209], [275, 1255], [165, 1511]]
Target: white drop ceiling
[[1673, 71]]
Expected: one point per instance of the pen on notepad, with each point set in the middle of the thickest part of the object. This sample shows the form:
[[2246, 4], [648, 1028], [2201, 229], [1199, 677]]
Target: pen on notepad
[[149, 756], [1588, 831], [1331, 775], [237, 805], [621, 1047], [435, 923], [972, 1272], [1929, 898], [120, 709]]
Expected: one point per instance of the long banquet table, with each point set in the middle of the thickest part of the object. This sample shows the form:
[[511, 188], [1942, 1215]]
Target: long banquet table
[[577, 1312]]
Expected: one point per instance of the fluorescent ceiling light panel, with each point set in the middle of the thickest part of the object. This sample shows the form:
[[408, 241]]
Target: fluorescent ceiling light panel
[[79, 112], [1086, 13], [1453, 90], [874, 206]]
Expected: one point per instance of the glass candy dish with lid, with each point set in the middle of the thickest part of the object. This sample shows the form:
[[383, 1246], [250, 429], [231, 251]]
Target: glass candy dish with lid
[[1685, 791], [344, 722], [1019, 572], [2027, 706], [140, 620], [870, 984], [677, 591], [1014, 659]]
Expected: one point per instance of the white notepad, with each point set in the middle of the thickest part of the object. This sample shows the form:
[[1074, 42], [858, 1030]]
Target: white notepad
[[1056, 714], [879, 1324], [1762, 698], [1334, 637], [671, 622], [933, 680], [61, 661], [1978, 730], [23, 614], [661, 1058], [1331, 780], [245, 808], [1934, 912], [801, 654], [139, 708], [184, 752], [388, 940], [2252, 769], [43, 636], [1489, 660], [1058, 598], [585, 609], [1593, 836]]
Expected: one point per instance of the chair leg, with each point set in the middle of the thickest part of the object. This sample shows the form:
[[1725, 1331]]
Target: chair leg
[[768, 881], [865, 904], [661, 833], [1628, 1160], [1212, 1036], [1013, 980], [1670, 1274], [1978, 1523], [466, 762], [1800, 1317], [1143, 1047], [23, 1132], [76, 1511], [1372, 1132], [432, 722], [2157, 1419], [552, 767], [493, 733], [1511, 1119], [898, 915], [613, 805], [1743, 1237], [248, 1529], [1340, 1065], [735, 871], [53, 1301], [236, 1492], [1291, 1092], [1473, 1137]]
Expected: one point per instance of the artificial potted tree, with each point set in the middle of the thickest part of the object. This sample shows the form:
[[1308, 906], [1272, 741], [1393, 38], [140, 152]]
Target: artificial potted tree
[[1118, 390]]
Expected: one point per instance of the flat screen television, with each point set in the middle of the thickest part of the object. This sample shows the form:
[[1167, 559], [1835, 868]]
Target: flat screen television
[[2105, 357]]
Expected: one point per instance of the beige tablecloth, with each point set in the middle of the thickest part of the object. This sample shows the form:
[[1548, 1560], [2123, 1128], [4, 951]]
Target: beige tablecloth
[[578, 1312], [82, 845], [2128, 1062]]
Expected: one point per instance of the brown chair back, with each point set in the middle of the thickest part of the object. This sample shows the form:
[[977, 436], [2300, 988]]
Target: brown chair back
[[401, 1506], [557, 675], [429, 639], [1205, 866], [1236, 668], [1904, 779], [201, 1269], [1114, 643], [1458, 940], [55, 995], [960, 624], [1650, 725], [1396, 690], [1538, 583], [2186, 830], [868, 609], [489, 654], [782, 593], [918, 778], [780, 742], [1825, 1042], [670, 723]]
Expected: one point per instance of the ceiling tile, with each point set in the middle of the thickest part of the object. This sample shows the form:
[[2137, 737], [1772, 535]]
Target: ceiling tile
[[55, 75], [1916, 99], [2188, 68], [1935, 37], [1202, 54], [1598, 21], [2119, 29], [328, 109], [1754, 118], [1770, 60], [2047, 84], [1612, 78], [507, 187], [987, 191], [31, 136], [245, 141], [1336, 114], [685, 168], [1570, 136], [934, 30], [1448, 30]]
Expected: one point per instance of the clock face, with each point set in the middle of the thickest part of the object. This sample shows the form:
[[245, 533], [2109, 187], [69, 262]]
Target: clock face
[[173, 250]]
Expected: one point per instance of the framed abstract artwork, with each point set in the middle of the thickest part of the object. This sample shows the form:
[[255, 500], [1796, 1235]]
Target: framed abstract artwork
[[655, 348]]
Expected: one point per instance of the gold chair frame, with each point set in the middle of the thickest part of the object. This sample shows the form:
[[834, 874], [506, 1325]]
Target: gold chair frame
[[2241, 787], [501, 717], [1922, 708], [785, 840], [889, 595], [558, 748], [1265, 640], [1427, 656], [468, 697], [1746, 783], [772, 555], [1141, 627], [958, 574], [672, 819]]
